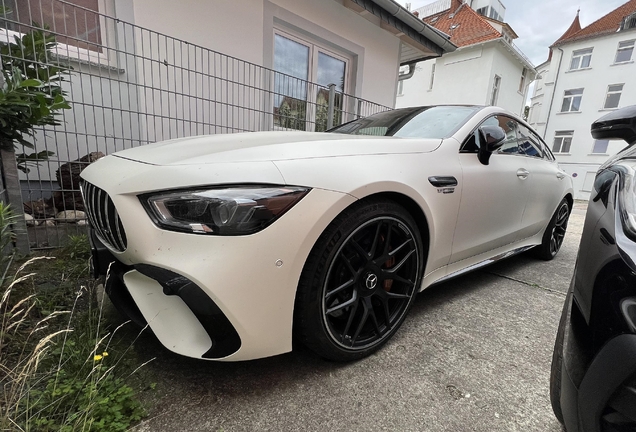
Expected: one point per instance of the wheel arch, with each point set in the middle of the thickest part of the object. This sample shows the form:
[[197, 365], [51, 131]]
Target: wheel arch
[[409, 204], [415, 211]]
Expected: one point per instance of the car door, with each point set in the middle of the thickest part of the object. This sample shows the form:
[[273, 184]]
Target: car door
[[545, 181], [493, 196]]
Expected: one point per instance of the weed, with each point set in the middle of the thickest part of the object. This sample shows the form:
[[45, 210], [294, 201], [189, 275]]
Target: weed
[[61, 367]]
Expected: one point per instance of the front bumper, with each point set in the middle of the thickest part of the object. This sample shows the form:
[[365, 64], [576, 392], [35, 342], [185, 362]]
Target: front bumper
[[598, 393], [249, 281], [189, 319]]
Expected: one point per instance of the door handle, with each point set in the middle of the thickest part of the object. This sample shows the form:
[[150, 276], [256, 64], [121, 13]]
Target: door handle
[[560, 175], [523, 173]]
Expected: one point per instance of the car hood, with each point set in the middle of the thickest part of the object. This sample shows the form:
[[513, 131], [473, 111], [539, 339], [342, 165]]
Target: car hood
[[271, 146]]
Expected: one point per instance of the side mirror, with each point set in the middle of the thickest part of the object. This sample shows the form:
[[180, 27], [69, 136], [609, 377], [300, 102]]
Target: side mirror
[[619, 124], [491, 138]]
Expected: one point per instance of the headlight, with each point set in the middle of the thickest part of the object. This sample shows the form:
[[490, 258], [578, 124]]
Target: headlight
[[221, 211]]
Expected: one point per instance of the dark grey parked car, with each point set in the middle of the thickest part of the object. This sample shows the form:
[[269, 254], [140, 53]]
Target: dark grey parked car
[[593, 379]]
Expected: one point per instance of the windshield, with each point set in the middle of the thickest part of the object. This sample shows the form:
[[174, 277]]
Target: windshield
[[422, 122]]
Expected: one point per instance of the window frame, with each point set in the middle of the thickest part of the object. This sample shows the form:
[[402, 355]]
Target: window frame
[[580, 55], [563, 134], [546, 153], [611, 93], [572, 97], [315, 47], [74, 53], [601, 141], [625, 48], [629, 22], [524, 77], [496, 85], [532, 137]]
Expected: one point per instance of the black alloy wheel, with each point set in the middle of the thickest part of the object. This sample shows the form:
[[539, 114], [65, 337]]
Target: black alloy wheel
[[554, 233], [560, 226], [363, 283]]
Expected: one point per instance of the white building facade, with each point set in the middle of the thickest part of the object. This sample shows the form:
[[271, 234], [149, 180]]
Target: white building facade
[[590, 72], [486, 69]]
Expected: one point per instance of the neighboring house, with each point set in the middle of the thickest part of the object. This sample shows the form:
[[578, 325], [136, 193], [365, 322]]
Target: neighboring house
[[149, 70], [590, 71], [486, 69]]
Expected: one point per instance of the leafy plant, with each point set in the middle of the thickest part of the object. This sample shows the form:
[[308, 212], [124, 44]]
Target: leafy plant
[[31, 94], [7, 236]]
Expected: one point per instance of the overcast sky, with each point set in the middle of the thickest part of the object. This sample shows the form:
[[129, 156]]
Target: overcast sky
[[539, 23]]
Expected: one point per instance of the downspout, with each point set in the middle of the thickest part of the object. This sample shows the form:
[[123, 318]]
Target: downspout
[[409, 74], [556, 80]]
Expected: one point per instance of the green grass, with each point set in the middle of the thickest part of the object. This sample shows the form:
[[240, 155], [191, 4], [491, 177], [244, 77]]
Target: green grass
[[63, 366]]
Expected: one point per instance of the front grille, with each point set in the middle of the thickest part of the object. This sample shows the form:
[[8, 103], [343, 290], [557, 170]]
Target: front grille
[[103, 217]]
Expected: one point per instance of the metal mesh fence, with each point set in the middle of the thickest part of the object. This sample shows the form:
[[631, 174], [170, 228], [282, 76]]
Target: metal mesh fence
[[129, 86]]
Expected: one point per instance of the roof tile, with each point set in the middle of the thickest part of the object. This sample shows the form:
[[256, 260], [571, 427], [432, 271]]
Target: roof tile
[[463, 24], [607, 24]]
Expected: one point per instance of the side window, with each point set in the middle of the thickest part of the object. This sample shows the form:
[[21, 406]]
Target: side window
[[471, 145], [510, 146], [510, 127], [528, 144]]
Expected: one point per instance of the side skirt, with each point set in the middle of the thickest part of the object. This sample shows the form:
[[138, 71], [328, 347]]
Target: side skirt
[[483, 263]]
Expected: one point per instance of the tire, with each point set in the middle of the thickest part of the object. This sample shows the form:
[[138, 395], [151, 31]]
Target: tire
[[555, 232], [359, 281], [556, 370]]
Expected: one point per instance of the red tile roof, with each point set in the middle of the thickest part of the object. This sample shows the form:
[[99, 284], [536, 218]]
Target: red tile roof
[[574, 28], [463, 24], [607, 24]]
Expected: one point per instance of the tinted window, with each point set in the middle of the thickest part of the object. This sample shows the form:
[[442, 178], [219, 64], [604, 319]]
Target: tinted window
[[528, 143], [424, 122], [507, 124], [510, 127]]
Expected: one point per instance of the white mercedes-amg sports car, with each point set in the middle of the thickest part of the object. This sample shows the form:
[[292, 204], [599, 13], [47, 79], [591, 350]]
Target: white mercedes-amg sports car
[[231, 246]]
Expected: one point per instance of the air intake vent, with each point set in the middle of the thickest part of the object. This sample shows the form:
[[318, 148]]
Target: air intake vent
[[103, 217]]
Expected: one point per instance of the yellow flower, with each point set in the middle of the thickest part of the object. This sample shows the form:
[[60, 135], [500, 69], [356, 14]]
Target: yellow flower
[[98, 357]]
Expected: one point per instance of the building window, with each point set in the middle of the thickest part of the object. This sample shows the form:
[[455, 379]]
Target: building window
[[495, 90], [483, 11], [78, 26], [400, 91], [624, 51], [613, 96], [522, 83], [572, 100], [581, 59], [600, 146], [430, 86], [562, 141], [629, 22], [304, 72], [494, 14]]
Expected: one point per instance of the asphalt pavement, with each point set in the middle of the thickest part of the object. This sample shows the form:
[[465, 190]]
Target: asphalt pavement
[[473, 355]]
